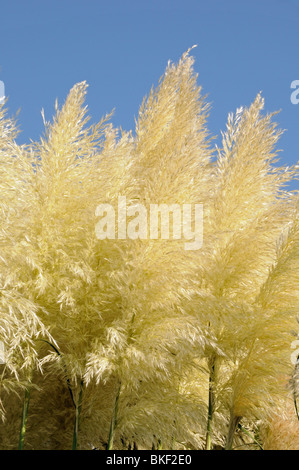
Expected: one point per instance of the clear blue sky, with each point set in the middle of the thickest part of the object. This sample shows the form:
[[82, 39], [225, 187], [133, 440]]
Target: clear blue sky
[[121, 48]]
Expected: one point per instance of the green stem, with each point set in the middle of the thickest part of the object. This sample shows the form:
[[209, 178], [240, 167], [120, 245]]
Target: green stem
[[113, 423], [211, 406], [234, 422], [160, 447], [24, 418], [77, 418], [249, 435], [172, 446]]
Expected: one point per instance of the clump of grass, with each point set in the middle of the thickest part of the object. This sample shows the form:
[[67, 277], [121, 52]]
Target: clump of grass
[[199, 340]]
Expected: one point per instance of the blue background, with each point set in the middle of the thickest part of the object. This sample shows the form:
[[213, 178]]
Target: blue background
[[122, 47]]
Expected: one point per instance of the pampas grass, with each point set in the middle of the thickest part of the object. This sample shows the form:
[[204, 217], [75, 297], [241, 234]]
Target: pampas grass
[[200, 341]]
